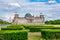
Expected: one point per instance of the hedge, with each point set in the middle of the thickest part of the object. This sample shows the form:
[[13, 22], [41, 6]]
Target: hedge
[[14, 35], [37, 29], [50, 34], [41, 26], [32, 25], [13, 27]]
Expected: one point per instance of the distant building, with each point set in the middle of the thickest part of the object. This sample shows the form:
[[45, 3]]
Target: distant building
[[28, 19]]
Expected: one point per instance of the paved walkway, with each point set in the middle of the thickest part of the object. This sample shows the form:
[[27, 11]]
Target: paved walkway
[[34, 34]]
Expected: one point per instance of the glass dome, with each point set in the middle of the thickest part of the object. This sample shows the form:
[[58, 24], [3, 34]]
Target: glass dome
[[28, 15]]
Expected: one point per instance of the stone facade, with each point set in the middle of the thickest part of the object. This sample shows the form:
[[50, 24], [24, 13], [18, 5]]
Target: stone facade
[[28, 19]]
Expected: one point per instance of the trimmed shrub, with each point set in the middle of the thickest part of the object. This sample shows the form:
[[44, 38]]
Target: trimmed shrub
[[14, 35], [50, 34], [37, 28], [13, 27], [41, 26], [33, 29]]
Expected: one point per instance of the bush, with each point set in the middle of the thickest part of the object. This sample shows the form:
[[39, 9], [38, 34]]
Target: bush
[[4, 22], [53, 22], [14, 35], [13, 27], [32, 25], [50, 34], [36, 28]]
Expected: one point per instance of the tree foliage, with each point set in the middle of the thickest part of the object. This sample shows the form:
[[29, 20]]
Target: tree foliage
[[53, 22], [4, 22]]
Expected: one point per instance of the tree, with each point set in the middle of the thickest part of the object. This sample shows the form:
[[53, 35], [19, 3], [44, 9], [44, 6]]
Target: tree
[[53, 22], [4, 22]]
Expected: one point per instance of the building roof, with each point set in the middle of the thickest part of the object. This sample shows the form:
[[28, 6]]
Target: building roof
[[28, 15]]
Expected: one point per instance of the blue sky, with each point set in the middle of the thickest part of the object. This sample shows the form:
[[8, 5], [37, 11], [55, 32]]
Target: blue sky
[[38, 0], [58, 1], [51, 10]]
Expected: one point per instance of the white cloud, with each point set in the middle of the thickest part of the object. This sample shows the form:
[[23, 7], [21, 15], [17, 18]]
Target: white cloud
[[14, 4], [24, 6]]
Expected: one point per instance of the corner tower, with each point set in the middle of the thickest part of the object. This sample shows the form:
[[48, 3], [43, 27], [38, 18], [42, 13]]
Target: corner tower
[[42, 17], [16, 18]]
